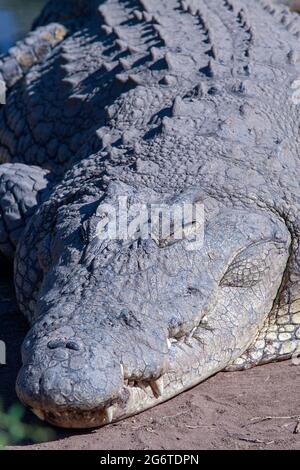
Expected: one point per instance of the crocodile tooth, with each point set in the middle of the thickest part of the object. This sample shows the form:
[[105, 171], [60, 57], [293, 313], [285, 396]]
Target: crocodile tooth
[[109, 414], [157, 387], [189, 337], [39, 413], [169, 343]]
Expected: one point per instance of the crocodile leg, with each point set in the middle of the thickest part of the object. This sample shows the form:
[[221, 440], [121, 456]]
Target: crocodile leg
[[22, 189], [50, 28], [279, 337], [278, 340], [31, 50]]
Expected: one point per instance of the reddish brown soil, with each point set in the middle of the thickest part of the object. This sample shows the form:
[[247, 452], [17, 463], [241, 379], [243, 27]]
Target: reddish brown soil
[[228, 411], [255, 409]]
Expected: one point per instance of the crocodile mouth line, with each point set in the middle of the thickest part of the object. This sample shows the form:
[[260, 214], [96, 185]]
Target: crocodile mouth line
[[185, 371]]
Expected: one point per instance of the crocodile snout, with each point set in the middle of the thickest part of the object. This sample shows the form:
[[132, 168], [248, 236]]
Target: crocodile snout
[[69, 399], [83, 376], [70, 382]]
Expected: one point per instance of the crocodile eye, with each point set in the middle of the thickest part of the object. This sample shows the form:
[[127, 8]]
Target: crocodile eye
[[188, 232], [251, 266]]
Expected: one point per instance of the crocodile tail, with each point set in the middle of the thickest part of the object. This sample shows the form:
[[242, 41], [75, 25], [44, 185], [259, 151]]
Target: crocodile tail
[[32, 50]]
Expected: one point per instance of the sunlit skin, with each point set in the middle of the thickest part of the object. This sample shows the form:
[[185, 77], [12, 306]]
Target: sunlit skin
[[165, 104]]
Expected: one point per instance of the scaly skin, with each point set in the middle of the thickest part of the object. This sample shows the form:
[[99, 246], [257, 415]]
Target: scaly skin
[[163, 102]]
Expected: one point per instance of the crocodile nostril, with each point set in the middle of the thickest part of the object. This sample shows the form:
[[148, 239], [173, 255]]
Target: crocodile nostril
[[56, 343], [73, 345]]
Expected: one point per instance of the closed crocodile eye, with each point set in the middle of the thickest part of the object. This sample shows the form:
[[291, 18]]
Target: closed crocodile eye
[[250, 266], [187, 232]]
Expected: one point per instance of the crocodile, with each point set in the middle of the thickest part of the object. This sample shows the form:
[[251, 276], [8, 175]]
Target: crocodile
[[155, 103]]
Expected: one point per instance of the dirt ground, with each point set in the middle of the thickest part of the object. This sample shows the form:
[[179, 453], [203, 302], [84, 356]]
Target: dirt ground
[[256, 409]]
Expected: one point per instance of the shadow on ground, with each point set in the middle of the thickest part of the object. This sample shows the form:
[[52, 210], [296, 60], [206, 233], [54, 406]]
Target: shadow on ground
[[17, 425], [12, 331]]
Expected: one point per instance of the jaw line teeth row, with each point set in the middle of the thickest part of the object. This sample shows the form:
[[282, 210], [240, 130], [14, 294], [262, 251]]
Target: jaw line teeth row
[[157, 386]]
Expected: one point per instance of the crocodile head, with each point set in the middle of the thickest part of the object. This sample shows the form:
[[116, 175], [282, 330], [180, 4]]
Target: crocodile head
[[123, 324]]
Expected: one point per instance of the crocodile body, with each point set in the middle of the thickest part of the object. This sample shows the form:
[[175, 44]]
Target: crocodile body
[[163, 102]]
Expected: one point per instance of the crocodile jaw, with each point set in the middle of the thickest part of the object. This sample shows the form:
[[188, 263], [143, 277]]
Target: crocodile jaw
[[184, 374]]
